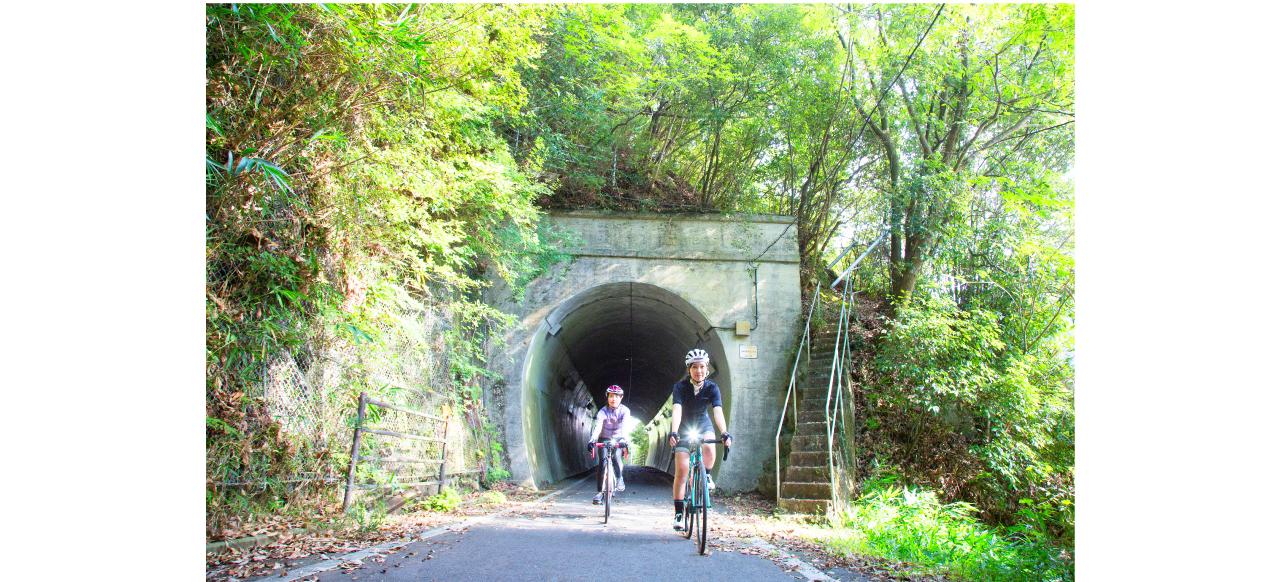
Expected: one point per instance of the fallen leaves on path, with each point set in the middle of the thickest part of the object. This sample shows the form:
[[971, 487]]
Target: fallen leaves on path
[[739, 519], [291, 551]]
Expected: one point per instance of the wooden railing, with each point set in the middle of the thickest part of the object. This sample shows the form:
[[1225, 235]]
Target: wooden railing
[[361, 430]]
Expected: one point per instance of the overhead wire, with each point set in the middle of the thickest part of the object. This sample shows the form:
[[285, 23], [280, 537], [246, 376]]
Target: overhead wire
[[901, 70]]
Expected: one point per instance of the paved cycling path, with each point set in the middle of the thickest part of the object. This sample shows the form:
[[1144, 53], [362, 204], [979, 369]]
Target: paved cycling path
[[564, 538]]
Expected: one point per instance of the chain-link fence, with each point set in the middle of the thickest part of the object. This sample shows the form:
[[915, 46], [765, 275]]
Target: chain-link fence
[[305, 388], [311, 395]]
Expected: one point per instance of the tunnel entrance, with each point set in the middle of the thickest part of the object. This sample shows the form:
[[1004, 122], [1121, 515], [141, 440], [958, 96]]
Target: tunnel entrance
[[631, 334]]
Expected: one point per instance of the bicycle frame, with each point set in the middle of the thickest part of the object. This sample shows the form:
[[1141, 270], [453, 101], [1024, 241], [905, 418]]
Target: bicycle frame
[[697, 495], [610, 478]]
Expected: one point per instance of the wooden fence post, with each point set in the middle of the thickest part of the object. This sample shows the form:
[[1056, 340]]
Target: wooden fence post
[[355, 452], [444, 457]]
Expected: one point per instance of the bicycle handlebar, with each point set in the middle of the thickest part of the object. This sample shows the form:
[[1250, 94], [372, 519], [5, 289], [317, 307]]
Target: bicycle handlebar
[[705, 442], [626, 449]]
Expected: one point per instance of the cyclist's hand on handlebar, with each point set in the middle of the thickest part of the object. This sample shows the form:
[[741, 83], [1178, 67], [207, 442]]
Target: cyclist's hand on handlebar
[[726, 438], [673, 438]]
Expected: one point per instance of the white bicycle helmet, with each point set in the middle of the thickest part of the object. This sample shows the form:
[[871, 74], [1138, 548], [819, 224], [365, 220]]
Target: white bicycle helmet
[[615, 389], [696, 355]]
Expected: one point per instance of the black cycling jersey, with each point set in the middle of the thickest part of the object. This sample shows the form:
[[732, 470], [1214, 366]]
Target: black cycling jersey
[[695, 408]]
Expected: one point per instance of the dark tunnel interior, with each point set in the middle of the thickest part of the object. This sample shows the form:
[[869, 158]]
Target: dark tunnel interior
[[634, 335]]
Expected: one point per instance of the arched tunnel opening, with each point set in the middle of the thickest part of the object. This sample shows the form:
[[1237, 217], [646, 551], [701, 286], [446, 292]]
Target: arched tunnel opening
[[631, 334]]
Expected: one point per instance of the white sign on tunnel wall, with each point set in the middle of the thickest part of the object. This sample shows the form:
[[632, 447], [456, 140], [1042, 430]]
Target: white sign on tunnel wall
[[747, 352]]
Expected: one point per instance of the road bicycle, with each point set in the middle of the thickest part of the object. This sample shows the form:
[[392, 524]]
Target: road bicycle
[[610, 479], [697, 494]]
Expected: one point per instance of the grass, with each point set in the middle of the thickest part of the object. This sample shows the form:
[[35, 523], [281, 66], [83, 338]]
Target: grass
[[912, 527]]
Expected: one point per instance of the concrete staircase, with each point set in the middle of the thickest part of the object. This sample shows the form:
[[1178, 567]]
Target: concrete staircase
[[806, 487]]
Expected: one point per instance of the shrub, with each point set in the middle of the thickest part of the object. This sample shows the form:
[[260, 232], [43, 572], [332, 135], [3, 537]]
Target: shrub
[[446, 500], [911, 525]]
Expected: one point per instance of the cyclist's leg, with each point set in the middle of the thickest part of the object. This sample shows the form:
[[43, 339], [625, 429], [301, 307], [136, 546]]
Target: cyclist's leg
[[599, 476], [708, 449], [618, 484], [709, 452], [678, 493], [682, 473], [600, 461]]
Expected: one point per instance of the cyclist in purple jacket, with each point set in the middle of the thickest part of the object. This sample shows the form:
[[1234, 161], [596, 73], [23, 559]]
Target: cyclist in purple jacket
[[612, 422]]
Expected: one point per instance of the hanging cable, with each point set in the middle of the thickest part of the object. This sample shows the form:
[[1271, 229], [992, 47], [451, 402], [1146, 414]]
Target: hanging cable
[[884, 93], [901, 70], [631, 357]]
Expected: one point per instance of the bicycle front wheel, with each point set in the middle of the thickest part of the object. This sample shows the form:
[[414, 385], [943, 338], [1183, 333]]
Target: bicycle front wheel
[[705, 496], [608, 490], [689, 503], [700, 517], [695, 498]]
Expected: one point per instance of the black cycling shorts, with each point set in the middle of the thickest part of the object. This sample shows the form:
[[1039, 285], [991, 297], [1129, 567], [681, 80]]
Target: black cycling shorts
[[701, 426]]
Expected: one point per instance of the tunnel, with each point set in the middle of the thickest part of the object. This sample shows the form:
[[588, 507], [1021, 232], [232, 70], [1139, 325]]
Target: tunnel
[[631, 334]]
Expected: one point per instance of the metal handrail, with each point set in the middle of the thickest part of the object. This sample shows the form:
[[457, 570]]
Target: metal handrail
[[859, 260], [795, 418], [835, 381], [837, 367]]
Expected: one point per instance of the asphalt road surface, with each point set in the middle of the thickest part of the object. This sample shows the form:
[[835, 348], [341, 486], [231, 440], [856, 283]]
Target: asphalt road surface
[[568, 540]]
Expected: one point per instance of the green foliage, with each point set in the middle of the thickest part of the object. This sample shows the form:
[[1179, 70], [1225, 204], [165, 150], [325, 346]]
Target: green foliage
[[354, 181], [639, 444], [499, 474], [369, 163], [911, 525], [491, 456], [952, 380], [667, 103], [446, 500], [493, 498], [367, 519]]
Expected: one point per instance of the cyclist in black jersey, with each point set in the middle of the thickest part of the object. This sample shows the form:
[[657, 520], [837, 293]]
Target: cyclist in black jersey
[[695, 402]]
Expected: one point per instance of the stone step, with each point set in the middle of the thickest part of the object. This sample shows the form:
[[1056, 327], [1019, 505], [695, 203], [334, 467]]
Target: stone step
[[807, 416], [817, 388], [809, 474], [809, 458], [811, 428], [806, 490], [816, 384], [816, 397], [815, 393], [809, 404], [809, 444], [811, 506]]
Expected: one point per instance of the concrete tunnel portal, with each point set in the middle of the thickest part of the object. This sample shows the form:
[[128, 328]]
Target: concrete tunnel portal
[[639, 291], [631, 334]]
